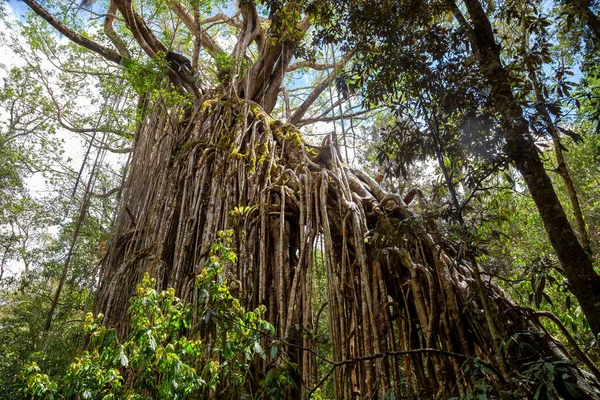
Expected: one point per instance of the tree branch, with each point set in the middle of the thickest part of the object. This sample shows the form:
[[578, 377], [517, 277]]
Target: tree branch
[[582, 356], [309, 64], [110, 31], [331, 118], [194, 26], [252, 29], [179, 66], [588, 16], [87, 130], [324, 84], [320, 88], [105, 195], [222, 17], [75, 37]]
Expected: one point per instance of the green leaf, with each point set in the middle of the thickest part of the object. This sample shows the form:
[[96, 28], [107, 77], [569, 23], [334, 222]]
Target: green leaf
[[548, 299], [539, 290]]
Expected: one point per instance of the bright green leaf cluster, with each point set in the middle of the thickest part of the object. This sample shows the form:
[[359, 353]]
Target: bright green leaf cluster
[[162, 356]]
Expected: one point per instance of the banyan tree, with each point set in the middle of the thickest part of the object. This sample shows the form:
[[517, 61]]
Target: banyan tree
[[404, 309]]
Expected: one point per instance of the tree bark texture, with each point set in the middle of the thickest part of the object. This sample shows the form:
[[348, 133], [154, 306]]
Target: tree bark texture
[[392, 285]]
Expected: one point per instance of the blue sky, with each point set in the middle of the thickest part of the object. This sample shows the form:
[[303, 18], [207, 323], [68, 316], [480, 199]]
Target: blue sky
[[18, 7]]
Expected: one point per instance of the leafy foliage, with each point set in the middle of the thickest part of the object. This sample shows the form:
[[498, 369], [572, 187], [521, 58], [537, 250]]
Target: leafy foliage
[[159, 358]]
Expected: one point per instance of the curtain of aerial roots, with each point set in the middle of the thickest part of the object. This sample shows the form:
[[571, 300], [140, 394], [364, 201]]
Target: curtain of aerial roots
[[187, 175]]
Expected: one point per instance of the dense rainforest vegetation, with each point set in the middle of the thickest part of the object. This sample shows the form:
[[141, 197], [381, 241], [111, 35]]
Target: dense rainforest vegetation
[[300, 199]]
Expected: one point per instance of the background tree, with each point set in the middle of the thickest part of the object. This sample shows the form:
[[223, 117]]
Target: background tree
[[48, 107]]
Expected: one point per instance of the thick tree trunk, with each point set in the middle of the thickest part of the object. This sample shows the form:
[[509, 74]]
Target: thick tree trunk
[[562, 168], [392, 288], [583, 280], [565, 173]]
